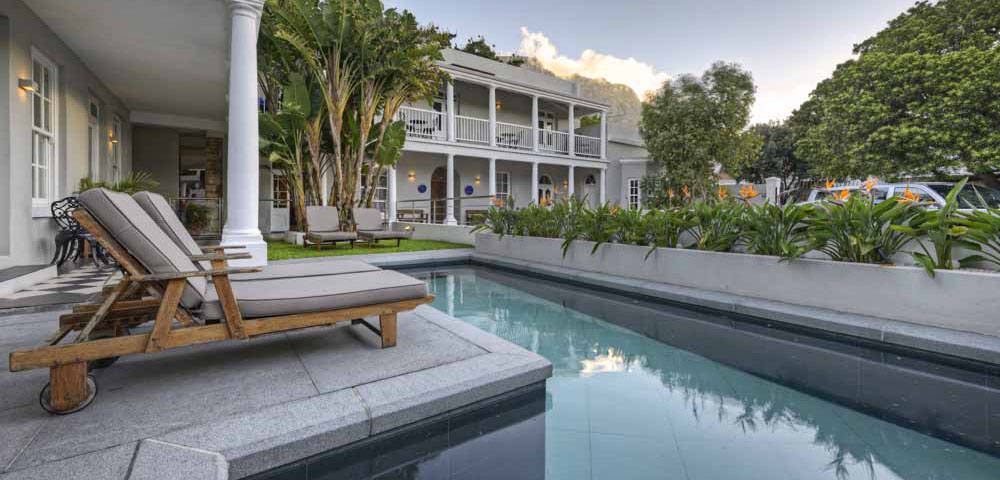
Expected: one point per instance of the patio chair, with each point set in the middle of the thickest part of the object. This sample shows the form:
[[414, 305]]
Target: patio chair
[[159, 209], [324, 227], [371, 229], [243, 310]]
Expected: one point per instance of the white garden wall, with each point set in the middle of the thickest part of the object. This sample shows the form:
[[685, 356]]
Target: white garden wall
[[961, 300]]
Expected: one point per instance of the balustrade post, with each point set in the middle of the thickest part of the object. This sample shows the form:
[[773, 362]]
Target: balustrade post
[[493, 116], [572, 130]]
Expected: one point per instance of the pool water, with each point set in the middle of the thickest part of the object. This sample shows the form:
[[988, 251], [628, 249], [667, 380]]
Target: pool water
[[621, 405]]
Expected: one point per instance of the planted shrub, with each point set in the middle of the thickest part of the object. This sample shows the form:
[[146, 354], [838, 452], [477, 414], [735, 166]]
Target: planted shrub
[[846, 228], [775, 230], [857, 229]]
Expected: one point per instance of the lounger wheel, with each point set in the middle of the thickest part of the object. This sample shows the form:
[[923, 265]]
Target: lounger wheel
[[44, 398], [102, 362]]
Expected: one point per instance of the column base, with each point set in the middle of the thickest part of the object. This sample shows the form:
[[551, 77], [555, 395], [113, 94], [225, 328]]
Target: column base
[[450, 221], [254, 245]]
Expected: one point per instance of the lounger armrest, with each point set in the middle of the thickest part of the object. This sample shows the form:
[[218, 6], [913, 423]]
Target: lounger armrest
[[159, 277], [220, 256], [221, 248]]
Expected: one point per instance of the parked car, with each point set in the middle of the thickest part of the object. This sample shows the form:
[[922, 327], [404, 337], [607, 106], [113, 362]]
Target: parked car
[[931, 193]]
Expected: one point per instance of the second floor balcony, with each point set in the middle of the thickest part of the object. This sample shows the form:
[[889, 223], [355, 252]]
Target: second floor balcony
[[490, 116]]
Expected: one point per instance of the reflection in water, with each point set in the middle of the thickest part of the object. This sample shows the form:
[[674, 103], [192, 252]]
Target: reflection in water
[[499, 441], [622, 405]]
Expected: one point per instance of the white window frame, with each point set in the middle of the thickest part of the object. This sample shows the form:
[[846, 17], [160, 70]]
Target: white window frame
[[40, 204], [633, 194], [117, 141], [381, 198], [281, 195], [503, 186]]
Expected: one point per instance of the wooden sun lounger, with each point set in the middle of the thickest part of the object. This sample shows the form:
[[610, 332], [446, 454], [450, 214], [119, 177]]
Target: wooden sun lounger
[[70, 387]]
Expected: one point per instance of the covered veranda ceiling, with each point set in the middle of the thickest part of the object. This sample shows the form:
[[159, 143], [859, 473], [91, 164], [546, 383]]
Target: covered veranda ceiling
[[165, 57]]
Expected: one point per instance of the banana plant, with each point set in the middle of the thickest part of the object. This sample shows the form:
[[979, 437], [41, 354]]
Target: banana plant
[[943, 228]]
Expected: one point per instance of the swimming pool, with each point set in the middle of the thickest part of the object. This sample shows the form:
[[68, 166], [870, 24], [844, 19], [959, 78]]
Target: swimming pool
[[643, 389], [624, 405]]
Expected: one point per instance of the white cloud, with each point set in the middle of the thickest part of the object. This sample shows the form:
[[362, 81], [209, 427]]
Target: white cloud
[[640, 77]]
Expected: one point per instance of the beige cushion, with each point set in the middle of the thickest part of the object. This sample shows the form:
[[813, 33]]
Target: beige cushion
[[384, 234], [159, 209], [323, 219], [320, 237], [268, 298], [306, 269], [131, 226], [368, 218]]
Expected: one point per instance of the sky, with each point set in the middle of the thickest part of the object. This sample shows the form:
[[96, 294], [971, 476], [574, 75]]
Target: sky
[[788, 45]]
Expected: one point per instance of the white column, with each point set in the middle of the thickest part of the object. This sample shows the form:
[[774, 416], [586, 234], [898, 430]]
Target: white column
[[604, 134], [604, 185], [243, 158], [390, 199], [493, 115], [571, 181], [493, 178], [572, 129], [450, 193], [534, 182], [450, 99], [534, 122]]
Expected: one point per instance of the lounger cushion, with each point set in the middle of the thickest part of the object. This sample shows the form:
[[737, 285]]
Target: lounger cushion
[[384, 234], [323, 219], [305, 269], [135, 230], [320, 237], [368, 218], [159, 209], [268, 298]]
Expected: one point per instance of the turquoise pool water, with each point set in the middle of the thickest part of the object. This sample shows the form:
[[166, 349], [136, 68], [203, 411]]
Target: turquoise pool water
[[621, 405]]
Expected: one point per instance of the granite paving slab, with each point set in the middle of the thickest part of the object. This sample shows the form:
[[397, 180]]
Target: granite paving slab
[[232, 409]]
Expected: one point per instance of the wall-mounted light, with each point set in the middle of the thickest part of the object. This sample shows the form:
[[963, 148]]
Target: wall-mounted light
[[411, 176], [499, 104], [114, 141], [565, 183], [27, 84], [477, 180]]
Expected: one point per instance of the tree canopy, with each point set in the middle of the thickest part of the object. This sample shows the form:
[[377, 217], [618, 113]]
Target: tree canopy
[[363, 62], [776, 157], [693, 125], [921, 98], [480, 47]]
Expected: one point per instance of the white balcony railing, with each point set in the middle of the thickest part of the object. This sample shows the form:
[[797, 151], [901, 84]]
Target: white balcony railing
[[472, 130], [421, 123], [553, 141], [514, 136], [588, 146]]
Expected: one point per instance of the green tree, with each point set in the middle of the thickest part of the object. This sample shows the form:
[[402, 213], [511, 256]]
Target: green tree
[[691, 126], [776, 157], [921, 98], [368, 61], [480, 47]]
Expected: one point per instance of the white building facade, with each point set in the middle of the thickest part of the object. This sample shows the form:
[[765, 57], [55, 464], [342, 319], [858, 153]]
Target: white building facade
[[495, 133]]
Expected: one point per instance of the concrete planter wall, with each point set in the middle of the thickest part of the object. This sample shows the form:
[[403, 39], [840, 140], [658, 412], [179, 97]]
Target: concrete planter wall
[[443, 233], [961, 300]]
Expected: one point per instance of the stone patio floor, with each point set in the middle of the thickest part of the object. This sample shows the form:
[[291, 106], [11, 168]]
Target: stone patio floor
[[232, 409]]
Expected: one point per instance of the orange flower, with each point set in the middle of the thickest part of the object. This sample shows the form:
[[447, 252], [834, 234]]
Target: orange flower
[[870, 184], [841, 195], [685, 191], [723, 192], [830, 183], [614, 210], [670, 193], [498, 202], [748, 192], [909, 197]]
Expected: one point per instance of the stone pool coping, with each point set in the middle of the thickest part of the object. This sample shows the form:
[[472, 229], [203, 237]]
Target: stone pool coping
[[255, 440], [890, 333]]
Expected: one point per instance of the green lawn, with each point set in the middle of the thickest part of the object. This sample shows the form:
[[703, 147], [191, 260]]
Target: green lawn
[[277, 250]]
